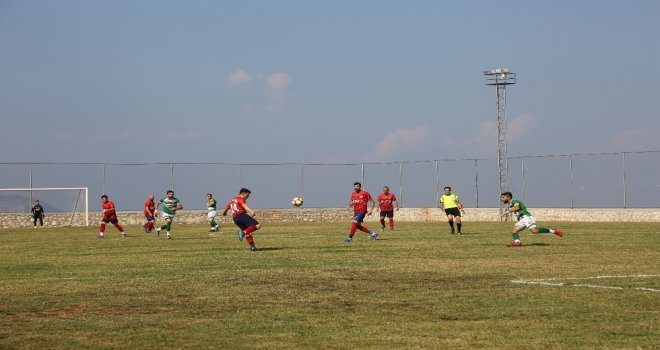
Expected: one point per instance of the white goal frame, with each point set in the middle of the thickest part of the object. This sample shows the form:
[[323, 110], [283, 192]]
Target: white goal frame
[[73, 213]]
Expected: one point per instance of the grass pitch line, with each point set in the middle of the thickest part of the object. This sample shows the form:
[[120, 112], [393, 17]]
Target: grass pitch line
[[556, 282]]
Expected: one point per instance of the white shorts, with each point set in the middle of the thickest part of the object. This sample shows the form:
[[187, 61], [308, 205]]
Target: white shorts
[[526, 222], [211, 214], [167, 216]]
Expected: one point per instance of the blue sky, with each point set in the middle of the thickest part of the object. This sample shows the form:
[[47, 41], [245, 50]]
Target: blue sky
[[323, 81]]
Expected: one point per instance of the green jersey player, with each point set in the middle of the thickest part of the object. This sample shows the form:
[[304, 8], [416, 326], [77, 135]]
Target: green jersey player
[[211, 205], [525, 219], [170, 205]]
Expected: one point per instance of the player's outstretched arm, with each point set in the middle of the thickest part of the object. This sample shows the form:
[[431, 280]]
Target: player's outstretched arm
[[248, 209], [513, 209]]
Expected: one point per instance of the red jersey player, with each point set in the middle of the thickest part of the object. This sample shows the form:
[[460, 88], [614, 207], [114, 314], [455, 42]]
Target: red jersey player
[[363, 205], [109, 216], [386, 203], [149, 213], [242, 215]]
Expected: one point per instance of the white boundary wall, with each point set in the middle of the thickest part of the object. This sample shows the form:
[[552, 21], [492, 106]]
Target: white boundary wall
[[340, 215]]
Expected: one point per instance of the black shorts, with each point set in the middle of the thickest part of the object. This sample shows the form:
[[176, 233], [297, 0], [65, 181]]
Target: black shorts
[[244, 221], [387, 213], [453, 211], [112, 220]]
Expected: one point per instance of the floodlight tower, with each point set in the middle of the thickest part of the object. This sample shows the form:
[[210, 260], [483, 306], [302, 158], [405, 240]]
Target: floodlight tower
[[501, 77]]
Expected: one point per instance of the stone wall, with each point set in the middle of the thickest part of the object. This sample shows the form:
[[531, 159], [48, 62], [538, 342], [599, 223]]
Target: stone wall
[[336, 214]]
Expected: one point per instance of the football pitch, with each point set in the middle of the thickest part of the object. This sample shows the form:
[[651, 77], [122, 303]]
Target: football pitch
[[416, 287]]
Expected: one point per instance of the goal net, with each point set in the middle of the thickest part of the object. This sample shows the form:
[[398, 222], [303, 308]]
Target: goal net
[[63, 206]]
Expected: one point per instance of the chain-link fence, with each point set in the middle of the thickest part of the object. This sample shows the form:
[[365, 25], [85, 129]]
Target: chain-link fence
[[605, 180]]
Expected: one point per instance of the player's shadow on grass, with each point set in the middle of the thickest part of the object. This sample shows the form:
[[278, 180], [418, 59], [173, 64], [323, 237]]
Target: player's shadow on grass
[[269, 248], [531, 245]]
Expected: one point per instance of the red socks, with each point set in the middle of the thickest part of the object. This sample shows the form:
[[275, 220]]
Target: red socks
[[354, 226], [248, 235]]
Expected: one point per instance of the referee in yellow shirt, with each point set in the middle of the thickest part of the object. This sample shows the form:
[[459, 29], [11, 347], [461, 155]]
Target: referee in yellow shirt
[[453, 207]]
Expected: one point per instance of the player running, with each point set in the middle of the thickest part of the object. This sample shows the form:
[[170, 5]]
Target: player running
[[109, 216], [211, 205], [386, 203], [170, 205], [149, 213], [453, 208], [525, 219], [242, 215], [360, 200]]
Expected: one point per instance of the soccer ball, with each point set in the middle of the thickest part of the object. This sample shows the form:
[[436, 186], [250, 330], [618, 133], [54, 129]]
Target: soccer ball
[[297, 201]]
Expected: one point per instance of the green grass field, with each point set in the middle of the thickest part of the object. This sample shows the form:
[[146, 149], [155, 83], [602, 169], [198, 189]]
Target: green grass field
[[418, 287]]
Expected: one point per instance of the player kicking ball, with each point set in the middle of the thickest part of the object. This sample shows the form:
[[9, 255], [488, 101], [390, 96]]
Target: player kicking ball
[[243, 217], [362, 205], [525, 219]]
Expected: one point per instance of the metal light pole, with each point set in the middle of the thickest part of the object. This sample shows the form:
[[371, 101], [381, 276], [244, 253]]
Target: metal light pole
[[501, 77]]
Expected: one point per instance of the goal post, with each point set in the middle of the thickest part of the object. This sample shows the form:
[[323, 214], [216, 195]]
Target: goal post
[[80, 193]]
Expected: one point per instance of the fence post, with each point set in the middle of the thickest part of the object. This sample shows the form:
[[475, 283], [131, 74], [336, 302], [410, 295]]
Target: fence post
[[302, 180], [103, 179], [400, 184], [476, 180], [437, 184], [30, 173], [172, 174], [362, 175], [623, 170], [570, 175], [522, 166]]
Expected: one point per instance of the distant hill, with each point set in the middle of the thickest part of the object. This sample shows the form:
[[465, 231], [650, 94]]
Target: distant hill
[[13, 203]]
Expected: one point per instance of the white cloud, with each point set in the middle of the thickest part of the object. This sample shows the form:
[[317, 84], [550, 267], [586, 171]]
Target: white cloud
[[397, 141], [637, 139], [237, 77], [520, 125], [278, 81], [277, 89], [270, 94], [485, 140]]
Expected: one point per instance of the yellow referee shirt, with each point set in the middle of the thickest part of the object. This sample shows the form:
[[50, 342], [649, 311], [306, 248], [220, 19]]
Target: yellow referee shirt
[[449, 201]]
